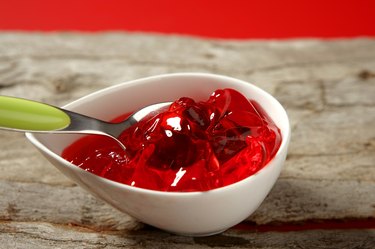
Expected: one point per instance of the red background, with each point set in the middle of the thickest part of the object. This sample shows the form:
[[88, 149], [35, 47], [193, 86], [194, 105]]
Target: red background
[[207, 18]]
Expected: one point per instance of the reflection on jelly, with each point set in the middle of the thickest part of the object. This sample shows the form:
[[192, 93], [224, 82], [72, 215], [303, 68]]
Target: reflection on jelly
[[190, 146]]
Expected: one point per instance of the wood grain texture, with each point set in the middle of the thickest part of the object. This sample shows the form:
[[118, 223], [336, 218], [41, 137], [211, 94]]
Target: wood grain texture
[[327, 87], [45, 235]]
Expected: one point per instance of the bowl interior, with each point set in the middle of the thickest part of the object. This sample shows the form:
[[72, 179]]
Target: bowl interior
[[114, 101]]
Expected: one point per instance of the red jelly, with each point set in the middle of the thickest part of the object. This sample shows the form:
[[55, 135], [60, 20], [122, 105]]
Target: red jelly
[[190, 146]]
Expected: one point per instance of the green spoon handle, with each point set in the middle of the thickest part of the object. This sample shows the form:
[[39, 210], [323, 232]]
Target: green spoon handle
[[27, 115]]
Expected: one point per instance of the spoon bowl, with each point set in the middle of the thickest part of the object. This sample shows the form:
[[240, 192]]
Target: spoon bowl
[[188, 213]]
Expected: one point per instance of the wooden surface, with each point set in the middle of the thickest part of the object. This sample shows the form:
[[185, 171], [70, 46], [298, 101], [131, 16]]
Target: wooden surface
[[325, 197]]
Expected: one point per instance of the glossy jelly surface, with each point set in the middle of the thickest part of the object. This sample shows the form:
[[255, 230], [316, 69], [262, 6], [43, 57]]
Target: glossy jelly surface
[[189, 146]]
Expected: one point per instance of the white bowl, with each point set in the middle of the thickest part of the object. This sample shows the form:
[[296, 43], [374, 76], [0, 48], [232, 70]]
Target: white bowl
[[189, 213]]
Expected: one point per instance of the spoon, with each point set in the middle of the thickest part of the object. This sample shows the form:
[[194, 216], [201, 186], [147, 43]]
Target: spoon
[[17, 114]]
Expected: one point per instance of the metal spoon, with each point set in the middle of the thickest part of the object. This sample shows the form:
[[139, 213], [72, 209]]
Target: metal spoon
[[24, 115]]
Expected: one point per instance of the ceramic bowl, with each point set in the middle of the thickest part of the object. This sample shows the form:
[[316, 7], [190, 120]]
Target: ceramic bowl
[[189, 213]]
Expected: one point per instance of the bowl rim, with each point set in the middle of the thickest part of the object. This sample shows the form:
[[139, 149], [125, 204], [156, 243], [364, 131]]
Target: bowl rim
[[286, 134]]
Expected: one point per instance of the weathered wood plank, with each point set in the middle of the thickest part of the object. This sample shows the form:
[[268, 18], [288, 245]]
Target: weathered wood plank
[[291, 200], [327, 87], [45, 235]]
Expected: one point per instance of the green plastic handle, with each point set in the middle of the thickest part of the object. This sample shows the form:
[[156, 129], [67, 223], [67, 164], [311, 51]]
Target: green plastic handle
[[28, 115]]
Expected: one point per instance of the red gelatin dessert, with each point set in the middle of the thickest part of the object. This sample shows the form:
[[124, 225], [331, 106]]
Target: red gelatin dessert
[[190, 146]]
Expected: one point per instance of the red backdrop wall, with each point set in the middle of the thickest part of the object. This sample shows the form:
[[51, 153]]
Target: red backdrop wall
[[207, 18]]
